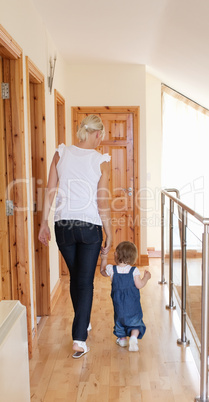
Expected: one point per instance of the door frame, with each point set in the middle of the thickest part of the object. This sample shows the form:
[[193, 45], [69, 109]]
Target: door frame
[[135, 111], [59, 102], [60, 137], [11, 51], [34, 75]]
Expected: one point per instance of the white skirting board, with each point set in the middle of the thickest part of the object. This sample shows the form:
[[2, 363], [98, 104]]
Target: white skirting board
[[14, 363]]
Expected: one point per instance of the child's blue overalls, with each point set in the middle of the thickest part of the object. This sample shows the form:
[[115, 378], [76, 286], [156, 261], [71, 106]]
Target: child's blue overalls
[[127, 307]]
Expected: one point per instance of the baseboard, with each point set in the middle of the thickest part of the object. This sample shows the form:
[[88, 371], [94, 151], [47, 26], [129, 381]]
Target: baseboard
[[144, 259], [55, 294], [154, 253], [189, 254], [36, 333], [34, 342]]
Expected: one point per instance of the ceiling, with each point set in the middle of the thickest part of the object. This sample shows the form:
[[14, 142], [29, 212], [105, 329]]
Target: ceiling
[[170, 37]]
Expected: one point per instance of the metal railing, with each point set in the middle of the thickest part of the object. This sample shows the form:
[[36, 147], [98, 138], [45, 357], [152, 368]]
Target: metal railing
[[184, 210], [171, 190]]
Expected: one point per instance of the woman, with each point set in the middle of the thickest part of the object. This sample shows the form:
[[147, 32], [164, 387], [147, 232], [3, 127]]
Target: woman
[[82, 209]]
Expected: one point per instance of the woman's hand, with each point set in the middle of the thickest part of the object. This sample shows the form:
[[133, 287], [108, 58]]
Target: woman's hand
[[108, 245], [44, 233], [103, 206]]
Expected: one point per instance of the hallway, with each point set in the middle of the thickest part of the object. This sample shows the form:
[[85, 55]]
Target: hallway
[[160, 372]]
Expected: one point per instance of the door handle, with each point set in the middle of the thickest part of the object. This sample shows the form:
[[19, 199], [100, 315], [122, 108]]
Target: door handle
[[128, 190], [9, 208]]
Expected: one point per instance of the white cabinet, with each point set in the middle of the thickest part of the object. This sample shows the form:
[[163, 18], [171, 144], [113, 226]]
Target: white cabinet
[[14, 364]]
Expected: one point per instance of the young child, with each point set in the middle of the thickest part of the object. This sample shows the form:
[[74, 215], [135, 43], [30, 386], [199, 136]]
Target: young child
[[126, 282]]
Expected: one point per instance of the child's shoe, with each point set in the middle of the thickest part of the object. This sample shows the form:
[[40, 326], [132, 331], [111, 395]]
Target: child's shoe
[[133, 344], [122, 342]]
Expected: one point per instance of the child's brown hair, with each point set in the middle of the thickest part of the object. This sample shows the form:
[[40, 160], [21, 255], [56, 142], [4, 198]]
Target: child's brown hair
[[126, 252]]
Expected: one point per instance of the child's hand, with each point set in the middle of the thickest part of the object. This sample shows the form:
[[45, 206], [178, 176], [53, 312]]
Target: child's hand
[[103, 265], [147, 274], [103, 272], [103, 256]]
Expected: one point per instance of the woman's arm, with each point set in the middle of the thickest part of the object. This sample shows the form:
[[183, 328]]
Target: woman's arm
[[103, 205], [44, 232], [141, 282]]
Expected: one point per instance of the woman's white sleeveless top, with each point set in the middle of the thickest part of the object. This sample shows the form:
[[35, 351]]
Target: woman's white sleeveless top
[[79, 173]]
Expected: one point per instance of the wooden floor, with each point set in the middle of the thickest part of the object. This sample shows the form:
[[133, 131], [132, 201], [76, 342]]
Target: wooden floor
[[160, 372]]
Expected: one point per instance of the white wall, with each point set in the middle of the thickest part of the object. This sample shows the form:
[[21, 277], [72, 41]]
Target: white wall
[[154, 156]]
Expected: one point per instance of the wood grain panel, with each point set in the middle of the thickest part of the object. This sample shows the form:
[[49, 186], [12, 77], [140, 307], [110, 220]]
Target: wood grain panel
[[118, 178], [5, 269], [11, 164], [38, 146]]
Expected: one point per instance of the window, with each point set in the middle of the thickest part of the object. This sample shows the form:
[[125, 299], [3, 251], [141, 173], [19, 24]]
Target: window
[[185, 163], [185, 156]]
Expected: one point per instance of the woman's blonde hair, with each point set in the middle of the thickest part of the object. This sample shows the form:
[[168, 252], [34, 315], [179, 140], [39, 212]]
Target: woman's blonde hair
[[88, 125], [126, 252]]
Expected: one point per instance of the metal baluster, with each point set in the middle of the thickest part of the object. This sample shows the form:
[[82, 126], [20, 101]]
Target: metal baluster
[[204, 319], [183, 341], [171, 305], [162, 281]]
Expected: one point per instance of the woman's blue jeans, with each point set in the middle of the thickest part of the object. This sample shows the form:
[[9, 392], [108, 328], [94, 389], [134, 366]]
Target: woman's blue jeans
[[80, 243]]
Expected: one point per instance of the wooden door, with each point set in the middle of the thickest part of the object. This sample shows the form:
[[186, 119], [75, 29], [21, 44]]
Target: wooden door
[[5, 283], [60, 137], [14, 285], [120, 126]]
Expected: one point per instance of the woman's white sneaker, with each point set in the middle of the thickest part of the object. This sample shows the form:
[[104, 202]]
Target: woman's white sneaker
[[89, 327]]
